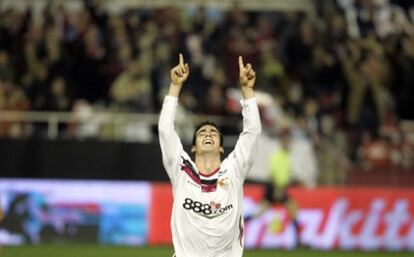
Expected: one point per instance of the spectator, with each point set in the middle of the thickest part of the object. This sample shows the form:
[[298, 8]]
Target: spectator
[[131, 91], [375, 152], [12, 98], [57, 98], [6, 70], [366, 79]]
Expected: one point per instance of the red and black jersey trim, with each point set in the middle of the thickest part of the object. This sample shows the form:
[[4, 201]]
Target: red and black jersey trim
[[207, 185]]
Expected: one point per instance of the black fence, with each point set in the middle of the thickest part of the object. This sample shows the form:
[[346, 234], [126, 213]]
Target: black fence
[[80, 160]]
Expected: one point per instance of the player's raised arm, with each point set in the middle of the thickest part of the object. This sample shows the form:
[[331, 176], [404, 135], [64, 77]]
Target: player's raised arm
[[247, 79], [179, 75], [170, 143], [246, 146]]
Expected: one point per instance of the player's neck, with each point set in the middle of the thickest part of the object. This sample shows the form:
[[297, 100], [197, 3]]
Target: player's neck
[[207, 163]]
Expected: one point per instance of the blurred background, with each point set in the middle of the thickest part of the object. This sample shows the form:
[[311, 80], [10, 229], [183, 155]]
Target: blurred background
[[82, 83]]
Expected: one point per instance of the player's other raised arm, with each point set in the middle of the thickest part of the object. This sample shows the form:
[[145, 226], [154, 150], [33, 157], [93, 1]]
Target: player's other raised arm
[[247, 79], [179, 75], [170, 143], [246, 146]]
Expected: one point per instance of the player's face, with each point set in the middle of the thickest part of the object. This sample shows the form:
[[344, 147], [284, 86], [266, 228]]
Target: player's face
[[207, 140]]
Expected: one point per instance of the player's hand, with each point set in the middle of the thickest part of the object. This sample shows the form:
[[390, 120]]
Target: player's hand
[[247, 74], [179, 73]]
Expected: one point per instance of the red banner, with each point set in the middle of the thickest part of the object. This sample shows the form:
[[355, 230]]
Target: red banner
[[345, 218], [160, 213]]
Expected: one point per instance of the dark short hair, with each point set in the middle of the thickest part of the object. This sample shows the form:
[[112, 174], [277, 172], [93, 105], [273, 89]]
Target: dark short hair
[[211, 123]]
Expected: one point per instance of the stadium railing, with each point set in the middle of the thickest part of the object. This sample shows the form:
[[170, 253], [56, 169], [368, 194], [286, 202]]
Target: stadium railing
[[117, 120], [117, 6]]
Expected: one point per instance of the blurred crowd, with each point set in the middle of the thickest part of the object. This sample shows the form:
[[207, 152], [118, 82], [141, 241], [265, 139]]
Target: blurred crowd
[[343, 76]]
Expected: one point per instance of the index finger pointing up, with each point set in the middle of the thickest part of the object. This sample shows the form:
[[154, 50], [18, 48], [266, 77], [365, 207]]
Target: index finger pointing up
[[241, 65], [181, 60]]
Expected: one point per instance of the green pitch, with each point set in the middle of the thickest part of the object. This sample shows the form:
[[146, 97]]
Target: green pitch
[[106, 251]]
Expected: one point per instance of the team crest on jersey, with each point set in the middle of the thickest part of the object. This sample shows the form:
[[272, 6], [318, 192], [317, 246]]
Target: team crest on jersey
[[224, 182]]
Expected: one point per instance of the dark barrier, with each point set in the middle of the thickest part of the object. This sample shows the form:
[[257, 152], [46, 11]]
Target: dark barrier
[[81, 160], [85, 160]]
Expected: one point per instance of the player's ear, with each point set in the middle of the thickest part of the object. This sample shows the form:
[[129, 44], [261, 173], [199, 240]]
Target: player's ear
[[193, 149], [221, 150]]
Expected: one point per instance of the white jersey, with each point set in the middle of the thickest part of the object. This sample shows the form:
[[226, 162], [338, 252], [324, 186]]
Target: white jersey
[[207, 218]]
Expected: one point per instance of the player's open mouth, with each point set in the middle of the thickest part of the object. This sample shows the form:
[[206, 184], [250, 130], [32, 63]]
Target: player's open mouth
[[208, 142]]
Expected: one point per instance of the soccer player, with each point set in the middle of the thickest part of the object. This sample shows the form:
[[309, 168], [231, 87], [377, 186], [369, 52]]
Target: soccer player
[[276, 190], [207, 216]]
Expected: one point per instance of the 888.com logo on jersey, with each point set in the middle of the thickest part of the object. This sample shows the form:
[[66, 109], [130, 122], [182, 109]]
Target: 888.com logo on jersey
[[211, 210]]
